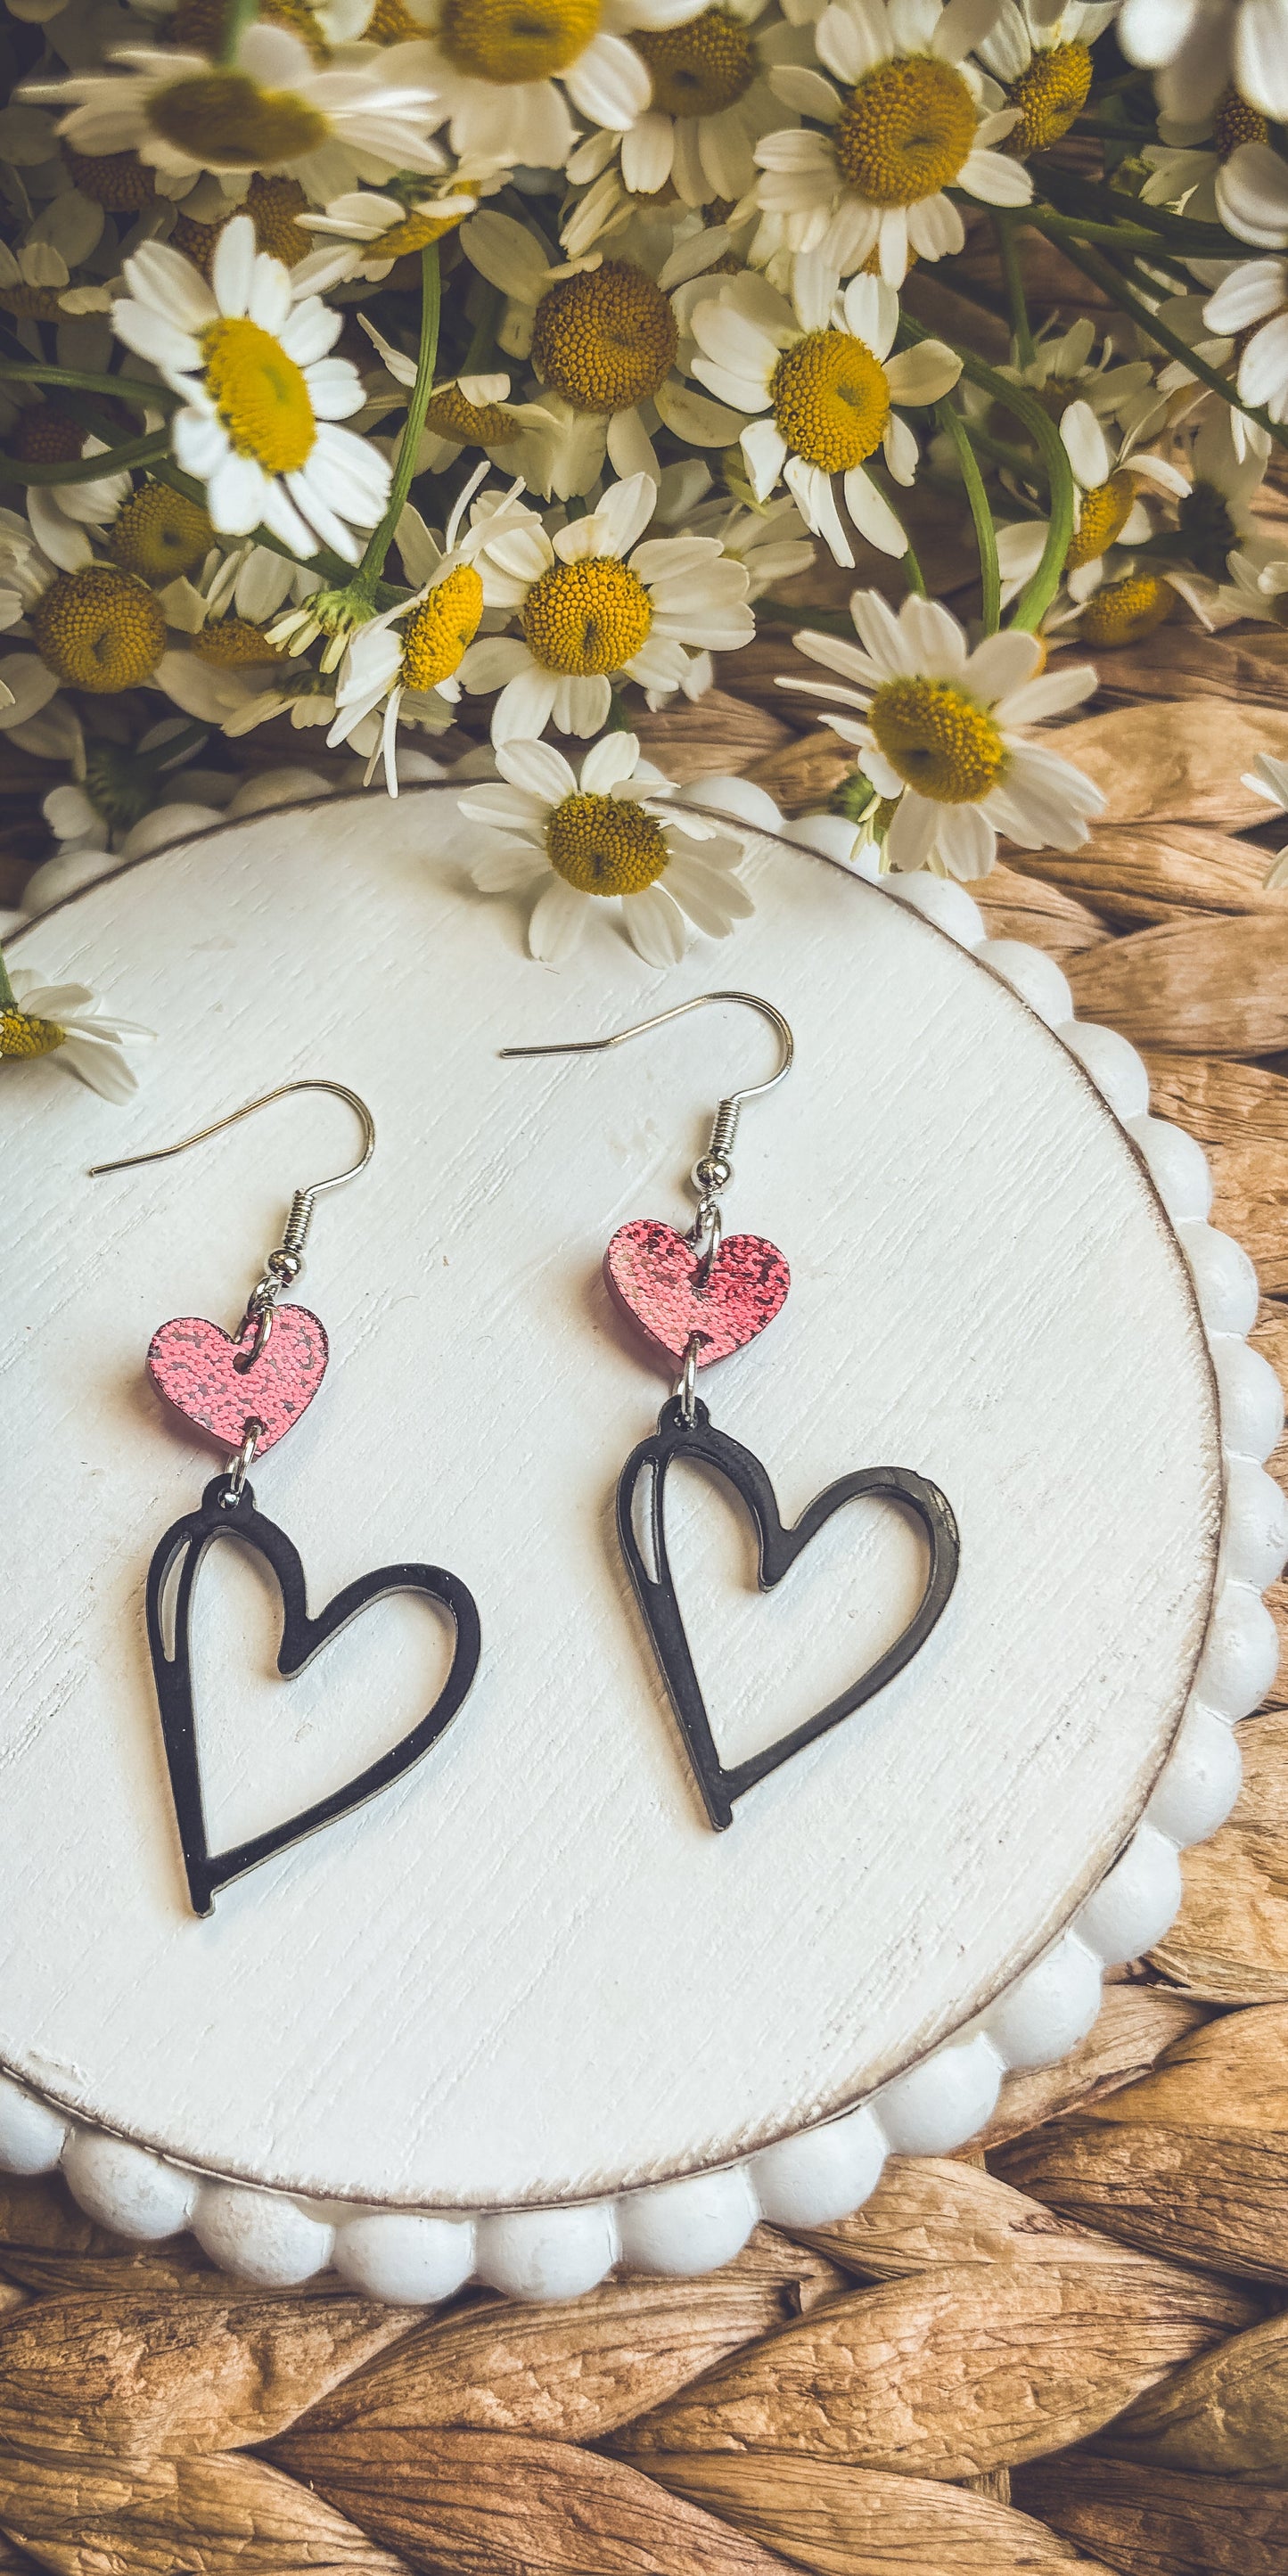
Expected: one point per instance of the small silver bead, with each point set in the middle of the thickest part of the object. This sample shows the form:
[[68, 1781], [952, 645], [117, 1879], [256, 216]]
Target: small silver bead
[[712, 1172]]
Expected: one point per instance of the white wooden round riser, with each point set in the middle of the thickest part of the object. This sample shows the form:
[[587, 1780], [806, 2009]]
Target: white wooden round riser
[[811, 2173]]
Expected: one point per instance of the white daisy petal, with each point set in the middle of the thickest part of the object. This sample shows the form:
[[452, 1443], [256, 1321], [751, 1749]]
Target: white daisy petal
[[656, 926]]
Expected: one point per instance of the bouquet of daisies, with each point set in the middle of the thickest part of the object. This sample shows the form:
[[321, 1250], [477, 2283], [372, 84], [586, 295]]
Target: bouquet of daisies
[[455, 379]]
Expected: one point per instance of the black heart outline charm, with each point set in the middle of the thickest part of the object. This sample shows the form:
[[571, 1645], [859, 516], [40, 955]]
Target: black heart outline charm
[[303, 1637], [778, 1550]]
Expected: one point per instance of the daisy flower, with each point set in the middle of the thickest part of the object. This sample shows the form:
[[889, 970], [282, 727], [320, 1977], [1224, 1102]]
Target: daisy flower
[[1184, 316], [1044, 65], [1252, 196], [905, 123], [614, 834], [406, 660], [819, 371], [262, 396], [771, 541], [66, 1019], [475, 411], [1197, 46], [1269, 778], [713, 97], [62, 515], [1191, 153], [587, 616], [272, 109], [1110, 510], [604, 336], [364, 232], [1258, 584], [501, 70], [1251, 303], [935, 727]]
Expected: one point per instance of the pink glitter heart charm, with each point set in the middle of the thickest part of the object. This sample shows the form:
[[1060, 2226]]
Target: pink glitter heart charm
[[194, 1366], [652, 1274]]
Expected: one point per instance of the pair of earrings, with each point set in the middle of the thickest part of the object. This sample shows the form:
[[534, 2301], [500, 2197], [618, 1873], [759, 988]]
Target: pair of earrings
[[696, 1298]]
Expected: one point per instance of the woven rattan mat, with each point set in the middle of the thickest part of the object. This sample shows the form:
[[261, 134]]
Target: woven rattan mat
[[1069, 2345]]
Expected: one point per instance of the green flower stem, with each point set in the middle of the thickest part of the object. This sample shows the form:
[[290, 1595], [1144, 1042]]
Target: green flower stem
[[1103, 214], [241, 15], [483, 335], [1106, 131], [912, 572], [990, 579], [125, 389], [1013, 278], [8, 997], [1103, 274], [832, 621], [91, 469], [378, 545], [1038, 593]]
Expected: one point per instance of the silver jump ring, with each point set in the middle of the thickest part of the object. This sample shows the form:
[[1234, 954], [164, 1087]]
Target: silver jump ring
[[261, 1311], [687, 1387], [239, 1466], [707, 1221]]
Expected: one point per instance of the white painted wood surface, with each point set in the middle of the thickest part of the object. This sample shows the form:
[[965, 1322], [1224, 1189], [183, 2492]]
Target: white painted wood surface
[[531, 1972]]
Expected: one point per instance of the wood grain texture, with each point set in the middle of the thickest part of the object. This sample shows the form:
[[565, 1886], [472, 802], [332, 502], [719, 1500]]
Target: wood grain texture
[[375, 2003]]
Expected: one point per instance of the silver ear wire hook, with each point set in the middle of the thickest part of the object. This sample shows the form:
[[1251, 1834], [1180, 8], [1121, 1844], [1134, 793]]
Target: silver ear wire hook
[[724, 1125], [283, 1266]]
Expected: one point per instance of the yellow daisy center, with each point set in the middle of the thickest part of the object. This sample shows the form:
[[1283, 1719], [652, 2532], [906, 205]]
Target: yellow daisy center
[[938, 739], [1049, 95], [391, 24], [601, 846], [437, 633], [99, 629], [1234, 122], [606, 339], [1125, 610], [470, 424], [700, 68], [586, 618], [831, 400], [516, 40], [160, 534], [272, 205], [116, 180], [260, 394], [1106, 509], [226, 118], [904, 131], [46, 436], [20, 1034], [233, 644]]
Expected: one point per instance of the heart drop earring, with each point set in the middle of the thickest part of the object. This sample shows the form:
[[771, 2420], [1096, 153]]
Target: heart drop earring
[[696, 1298], [245, 1391]]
